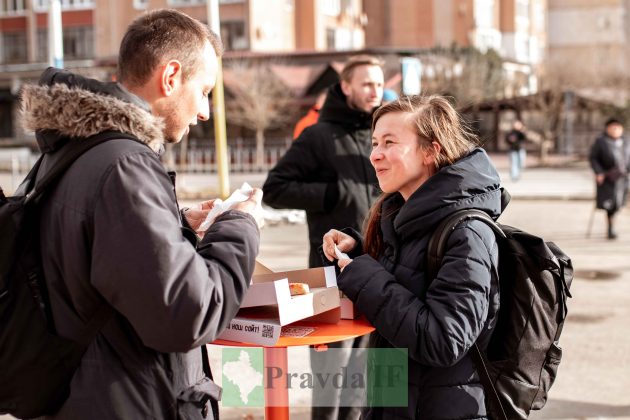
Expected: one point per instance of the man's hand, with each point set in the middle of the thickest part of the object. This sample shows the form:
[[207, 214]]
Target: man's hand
[[196, 214], [253, 206], [599, 178]]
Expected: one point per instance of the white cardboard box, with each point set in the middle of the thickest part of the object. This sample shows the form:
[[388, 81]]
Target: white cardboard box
[[348, 310], [268, 305]]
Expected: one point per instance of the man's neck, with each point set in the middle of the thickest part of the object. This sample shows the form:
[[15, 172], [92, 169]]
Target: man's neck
[[141, 92]]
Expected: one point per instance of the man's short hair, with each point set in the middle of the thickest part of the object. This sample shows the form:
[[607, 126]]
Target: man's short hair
[[611, 121], [162, 35], [356, 61]]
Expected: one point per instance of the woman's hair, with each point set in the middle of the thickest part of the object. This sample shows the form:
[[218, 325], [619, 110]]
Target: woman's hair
[[434, 120]]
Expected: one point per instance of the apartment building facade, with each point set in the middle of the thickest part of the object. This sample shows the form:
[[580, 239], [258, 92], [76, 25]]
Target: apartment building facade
[[92, 30], [516, 29], [588, 42]]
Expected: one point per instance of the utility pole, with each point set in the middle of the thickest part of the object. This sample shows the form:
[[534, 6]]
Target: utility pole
[[218, 103], [55, 37]]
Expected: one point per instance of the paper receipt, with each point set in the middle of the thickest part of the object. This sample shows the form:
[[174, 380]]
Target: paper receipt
[[341, 255]]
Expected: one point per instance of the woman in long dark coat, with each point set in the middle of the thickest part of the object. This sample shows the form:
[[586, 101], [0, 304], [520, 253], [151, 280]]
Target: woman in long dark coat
[[610, 160]]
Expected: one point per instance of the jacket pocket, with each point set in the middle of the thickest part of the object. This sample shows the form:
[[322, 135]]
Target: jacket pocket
[[548, 375], [196, 402]]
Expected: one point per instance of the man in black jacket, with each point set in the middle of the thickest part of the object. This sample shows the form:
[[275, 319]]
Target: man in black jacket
[[327, 172], [111, 232]]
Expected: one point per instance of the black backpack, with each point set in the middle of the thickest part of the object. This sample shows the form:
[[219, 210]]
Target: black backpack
[[521, 361], [36, 365]]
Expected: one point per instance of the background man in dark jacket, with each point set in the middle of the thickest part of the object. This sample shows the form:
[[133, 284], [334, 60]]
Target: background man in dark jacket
[[610, 160], [327, 172], [111, 230]]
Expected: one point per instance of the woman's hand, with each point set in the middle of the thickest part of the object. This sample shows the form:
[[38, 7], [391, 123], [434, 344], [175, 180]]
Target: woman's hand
[[343, 263], [343, 242]]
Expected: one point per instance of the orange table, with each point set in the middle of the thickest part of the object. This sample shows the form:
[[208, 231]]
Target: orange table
[[277, 398]]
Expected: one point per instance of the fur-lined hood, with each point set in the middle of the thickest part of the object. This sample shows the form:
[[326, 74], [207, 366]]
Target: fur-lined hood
[[77, 111]]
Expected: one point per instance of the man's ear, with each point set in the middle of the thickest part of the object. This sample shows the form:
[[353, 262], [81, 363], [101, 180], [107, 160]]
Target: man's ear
[[170, 77], [345, 88]]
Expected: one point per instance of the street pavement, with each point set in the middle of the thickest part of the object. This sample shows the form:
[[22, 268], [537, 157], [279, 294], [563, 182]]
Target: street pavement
[[562, 178], [593, 378], [556, 203]]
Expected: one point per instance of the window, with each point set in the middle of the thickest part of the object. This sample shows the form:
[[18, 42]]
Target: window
[[330, 38], [346, 6], [233, 35], [540, 16], [13, 47], [331, 7], [522, 8], [78, 43], [484, 13], [41, 5], [11, 7], [42, 45]]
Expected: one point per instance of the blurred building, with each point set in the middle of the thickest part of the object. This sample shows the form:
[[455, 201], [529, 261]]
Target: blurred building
[[588, 45], [92, 30], [516, 29]]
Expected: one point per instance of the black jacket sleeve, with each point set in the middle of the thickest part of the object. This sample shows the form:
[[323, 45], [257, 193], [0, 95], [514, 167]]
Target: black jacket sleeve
[[439, 330], [595, 157], [296, 182], [176, 297]]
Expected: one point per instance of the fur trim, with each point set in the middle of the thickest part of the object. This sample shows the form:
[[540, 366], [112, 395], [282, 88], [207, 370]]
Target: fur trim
[[79, 113]]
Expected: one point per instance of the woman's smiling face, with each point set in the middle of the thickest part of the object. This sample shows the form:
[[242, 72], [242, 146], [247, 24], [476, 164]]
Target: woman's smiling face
[[401, 164]]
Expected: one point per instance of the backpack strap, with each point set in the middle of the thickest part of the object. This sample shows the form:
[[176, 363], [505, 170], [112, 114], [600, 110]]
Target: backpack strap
[[435, 252], [71, 152], [437, 242]]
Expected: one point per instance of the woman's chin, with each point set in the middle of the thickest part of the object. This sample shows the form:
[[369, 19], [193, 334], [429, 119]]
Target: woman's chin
[[386, 189]]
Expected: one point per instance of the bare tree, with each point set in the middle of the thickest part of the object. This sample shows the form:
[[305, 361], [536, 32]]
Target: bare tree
[[259, 101], [467, 74], [549, 104]]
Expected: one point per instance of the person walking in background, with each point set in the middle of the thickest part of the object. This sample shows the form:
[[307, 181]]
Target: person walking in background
[[327, 172], [516, 139], [610, 160], [311, 116], [120, 241], [428, 167]]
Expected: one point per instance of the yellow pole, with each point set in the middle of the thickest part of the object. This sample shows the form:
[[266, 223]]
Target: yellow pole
[[218, 103]]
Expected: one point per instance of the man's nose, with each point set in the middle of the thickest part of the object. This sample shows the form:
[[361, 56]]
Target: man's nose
[[204, 111]]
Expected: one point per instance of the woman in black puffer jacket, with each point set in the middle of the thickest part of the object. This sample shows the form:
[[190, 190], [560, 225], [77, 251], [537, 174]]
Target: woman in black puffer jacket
[[428, 167]]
